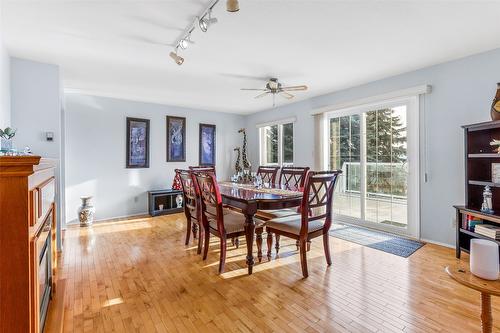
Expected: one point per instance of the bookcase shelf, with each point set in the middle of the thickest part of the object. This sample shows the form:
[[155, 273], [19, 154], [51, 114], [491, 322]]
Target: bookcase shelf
[[483, 183], [484, 155], [479, 156]]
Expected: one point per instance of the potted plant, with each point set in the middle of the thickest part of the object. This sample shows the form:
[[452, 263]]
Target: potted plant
[[6, 136]]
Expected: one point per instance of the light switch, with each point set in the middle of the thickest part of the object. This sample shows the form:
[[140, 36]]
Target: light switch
[[49, 136]]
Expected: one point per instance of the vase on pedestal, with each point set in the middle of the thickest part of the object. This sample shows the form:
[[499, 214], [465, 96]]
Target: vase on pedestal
[[86, 212]]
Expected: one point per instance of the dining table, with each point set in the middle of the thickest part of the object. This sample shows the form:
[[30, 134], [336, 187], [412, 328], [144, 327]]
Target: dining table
[[250, 198]]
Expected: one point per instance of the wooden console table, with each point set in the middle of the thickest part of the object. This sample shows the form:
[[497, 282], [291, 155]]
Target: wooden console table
[[462, 275]]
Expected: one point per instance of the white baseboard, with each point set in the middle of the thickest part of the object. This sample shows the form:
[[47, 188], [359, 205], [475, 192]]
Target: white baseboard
[[437, 243], [111, 219]]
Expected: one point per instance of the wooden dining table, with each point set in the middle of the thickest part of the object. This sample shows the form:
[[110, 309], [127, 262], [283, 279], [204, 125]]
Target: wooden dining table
[[249, 198]]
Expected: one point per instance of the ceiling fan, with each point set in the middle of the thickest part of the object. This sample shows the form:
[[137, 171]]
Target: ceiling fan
[[274, 87]]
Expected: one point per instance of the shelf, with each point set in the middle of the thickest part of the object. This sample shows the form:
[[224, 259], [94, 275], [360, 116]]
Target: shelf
[[484, 155], [481, 183], [473, 234], [495, 217]]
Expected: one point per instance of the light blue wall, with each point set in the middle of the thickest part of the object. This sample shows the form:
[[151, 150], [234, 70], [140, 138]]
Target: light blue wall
[[462, 94], [95, 132], [4, 82]]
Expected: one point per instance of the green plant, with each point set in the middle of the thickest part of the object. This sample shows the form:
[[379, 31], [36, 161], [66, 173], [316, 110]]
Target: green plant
[[8, 133]]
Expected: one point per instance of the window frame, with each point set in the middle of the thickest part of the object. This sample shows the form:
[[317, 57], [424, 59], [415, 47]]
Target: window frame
[[262, 147]]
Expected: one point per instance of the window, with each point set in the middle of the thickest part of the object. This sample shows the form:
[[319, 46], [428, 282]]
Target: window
[[276, 144]]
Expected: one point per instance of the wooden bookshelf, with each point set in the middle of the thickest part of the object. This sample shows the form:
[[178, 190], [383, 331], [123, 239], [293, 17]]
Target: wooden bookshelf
[[479, 157]]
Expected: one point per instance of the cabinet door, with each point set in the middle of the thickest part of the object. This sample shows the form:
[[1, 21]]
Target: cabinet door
[[46, 197], [33, 207], [34, 288]]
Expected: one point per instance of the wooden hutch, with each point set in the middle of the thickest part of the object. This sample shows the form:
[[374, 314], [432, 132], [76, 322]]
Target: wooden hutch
[[480, 158], [28, 252]]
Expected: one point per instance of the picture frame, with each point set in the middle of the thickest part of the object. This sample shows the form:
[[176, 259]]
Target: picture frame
[[176, 139], [207, 145], [137, 143]]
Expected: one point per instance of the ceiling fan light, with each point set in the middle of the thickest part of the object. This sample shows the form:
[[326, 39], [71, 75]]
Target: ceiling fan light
[[177, 58], [232, 6]]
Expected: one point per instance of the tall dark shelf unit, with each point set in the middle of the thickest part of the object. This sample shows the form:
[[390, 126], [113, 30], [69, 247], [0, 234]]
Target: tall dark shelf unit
[[479, 156]]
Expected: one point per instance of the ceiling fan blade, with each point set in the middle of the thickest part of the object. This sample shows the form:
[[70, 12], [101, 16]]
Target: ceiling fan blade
[[253, 89], [294, 88], [286, 95], [262, 95]]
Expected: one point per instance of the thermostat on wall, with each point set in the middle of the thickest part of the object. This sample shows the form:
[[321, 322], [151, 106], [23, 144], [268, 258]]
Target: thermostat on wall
[[49, 136]]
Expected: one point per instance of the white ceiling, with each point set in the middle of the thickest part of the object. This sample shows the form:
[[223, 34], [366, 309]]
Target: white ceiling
[[119, 48]]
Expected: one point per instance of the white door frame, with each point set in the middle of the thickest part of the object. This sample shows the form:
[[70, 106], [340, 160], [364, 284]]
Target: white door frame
[[413, 159]]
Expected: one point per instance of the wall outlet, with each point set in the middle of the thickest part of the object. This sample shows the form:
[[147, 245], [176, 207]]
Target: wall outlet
[[454, 222]]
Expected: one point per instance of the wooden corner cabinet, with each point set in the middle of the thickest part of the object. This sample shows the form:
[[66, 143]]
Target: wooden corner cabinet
[[28, 252], [481, 160]]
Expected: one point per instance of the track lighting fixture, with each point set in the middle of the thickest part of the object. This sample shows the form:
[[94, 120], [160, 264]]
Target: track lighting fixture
[[232, 6], [177, 58], [203, 21], [184, 42], [206, 21]]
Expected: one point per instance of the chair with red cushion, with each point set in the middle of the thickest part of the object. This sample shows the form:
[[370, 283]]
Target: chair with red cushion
[[313, 221], [268, 174], [217, 223]]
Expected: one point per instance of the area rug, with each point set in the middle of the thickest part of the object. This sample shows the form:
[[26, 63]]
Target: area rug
[[378, 240]]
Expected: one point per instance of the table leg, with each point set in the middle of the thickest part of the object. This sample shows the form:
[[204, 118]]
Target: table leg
[[249, 234], [486, 318]]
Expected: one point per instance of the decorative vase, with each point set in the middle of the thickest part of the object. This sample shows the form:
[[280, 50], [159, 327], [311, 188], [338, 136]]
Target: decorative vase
[[495, 106], [6, 144], [484, 259], [86, 212], [178, 200]]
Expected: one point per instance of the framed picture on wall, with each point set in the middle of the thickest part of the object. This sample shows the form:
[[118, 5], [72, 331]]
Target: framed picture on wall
[[176, 139], [207, 145], [137, 143]]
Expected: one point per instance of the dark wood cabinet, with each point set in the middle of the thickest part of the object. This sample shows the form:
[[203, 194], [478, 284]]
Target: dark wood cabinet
[[162, 202], [479, 159]]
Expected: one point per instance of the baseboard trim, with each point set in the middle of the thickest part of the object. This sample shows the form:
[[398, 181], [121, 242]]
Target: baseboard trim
[[113, 219], [437, 243]]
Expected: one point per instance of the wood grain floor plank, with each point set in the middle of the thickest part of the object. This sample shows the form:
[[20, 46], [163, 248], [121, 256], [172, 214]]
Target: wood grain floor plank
[[137, 276]]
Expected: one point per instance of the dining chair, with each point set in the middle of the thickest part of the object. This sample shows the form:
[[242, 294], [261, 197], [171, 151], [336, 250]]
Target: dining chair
[[202, 168], [191, 207], [314, 219], [268, 173], [217, 223], [291, 178]]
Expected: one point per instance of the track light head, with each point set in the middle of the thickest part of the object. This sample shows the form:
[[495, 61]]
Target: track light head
[[232, 6], [177, 58], [205, 22]]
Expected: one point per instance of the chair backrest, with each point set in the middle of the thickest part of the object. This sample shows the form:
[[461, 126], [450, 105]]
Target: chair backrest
[[317, 198], [189, 191], [293, 177], [202, 168], [210, 199], [268, 173]]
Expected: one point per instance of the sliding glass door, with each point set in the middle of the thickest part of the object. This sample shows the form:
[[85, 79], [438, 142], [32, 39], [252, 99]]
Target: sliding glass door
[[376, 147]]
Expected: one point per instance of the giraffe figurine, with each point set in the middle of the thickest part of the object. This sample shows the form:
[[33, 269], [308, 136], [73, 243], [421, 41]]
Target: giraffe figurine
[[237, 165], [246, 164]]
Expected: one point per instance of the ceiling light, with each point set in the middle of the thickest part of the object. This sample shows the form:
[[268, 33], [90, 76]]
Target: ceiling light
[[183, 44], [205, 22], [177, 58], [232, 5]]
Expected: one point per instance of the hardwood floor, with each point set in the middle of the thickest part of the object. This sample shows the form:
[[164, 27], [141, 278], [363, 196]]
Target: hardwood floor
[[137, 276]]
